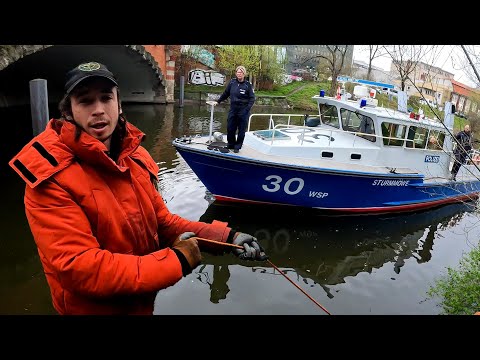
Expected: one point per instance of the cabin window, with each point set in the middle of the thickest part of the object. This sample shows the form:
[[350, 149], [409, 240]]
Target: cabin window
[[329, 115], [356, 122], [417, 137], [436, 139], [393, 134]]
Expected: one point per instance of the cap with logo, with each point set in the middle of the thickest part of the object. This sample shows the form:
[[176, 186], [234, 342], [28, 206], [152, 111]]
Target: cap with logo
[[85, 71]]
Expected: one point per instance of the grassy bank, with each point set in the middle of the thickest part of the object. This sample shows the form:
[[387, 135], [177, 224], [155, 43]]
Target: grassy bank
[[299, 96]]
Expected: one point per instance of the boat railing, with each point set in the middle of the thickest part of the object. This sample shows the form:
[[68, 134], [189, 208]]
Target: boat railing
[[331, 132], [271, 122], [473, 157]]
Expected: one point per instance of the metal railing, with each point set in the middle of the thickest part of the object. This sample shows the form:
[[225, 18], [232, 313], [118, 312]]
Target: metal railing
[[271, 123], [356, 134]]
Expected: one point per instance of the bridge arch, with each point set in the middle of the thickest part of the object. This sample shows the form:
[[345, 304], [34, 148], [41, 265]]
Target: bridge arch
[[141, 74]]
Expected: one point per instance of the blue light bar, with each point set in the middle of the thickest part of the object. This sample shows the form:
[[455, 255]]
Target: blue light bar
[[365, 82]]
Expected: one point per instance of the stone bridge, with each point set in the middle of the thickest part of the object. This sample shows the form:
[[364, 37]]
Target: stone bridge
[[145, 72]]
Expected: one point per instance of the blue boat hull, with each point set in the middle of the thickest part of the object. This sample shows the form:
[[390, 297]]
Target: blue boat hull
[[233, 178]]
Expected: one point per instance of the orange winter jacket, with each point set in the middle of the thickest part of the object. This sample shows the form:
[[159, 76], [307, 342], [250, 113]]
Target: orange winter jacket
[[102, 229]]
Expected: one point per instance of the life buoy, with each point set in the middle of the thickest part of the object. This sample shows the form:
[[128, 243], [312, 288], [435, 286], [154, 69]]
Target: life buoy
[[476, 158]]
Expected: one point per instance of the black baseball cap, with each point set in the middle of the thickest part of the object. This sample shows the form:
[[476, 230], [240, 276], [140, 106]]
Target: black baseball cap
[[84, 71]]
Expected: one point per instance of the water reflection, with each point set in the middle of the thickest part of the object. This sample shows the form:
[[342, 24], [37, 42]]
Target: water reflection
[[318, 252], [327, 249]]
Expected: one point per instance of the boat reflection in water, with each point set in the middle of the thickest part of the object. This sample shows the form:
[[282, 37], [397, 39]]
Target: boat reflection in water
[[324, 250]]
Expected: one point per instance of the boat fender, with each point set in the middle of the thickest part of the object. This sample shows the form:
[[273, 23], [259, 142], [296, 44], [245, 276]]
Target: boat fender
[[218, 136]]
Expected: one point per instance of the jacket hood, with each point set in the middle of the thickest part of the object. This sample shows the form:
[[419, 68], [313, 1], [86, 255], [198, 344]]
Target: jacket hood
[[56, 148]]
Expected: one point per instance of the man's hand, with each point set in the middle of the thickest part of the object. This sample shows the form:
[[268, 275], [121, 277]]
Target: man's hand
[[187, 251], [184, 236], [252, 249]]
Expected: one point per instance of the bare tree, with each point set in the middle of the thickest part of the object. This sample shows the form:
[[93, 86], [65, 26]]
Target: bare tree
[[332, 63], [374, 51], [405, 59], [470, 62]]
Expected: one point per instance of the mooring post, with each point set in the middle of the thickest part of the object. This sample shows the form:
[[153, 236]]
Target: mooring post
[[182, 87], [39, 105]]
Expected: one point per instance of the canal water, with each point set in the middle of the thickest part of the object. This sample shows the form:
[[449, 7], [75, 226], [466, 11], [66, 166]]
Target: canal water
[[381, 264]]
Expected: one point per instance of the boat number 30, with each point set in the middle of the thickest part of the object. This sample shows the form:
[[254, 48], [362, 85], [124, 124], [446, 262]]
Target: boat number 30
[[292, 186]]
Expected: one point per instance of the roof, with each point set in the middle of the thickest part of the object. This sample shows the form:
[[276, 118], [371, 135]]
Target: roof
[[461, 89]]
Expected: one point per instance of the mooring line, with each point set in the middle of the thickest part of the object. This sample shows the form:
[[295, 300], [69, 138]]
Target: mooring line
[[280, 271]]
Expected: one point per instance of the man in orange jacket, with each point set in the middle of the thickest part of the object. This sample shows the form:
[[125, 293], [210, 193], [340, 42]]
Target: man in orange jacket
[[106, 239]]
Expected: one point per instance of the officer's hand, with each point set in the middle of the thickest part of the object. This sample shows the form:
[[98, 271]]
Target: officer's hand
[[184, 236], [251, 248], [189, 254]]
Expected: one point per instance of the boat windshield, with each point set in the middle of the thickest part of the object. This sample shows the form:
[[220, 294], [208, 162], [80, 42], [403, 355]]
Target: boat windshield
[[329, 115], [356, 122]]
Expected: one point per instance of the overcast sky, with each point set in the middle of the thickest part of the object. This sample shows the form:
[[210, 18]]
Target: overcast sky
[[450, 58]]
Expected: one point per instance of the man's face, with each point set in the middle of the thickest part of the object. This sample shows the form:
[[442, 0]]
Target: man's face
[[467, 128], [95, 108]]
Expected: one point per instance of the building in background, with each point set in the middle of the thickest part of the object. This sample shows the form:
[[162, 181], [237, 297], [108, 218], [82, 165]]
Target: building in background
[[360, 70], [463, 98], [305, 57], [434, 83]]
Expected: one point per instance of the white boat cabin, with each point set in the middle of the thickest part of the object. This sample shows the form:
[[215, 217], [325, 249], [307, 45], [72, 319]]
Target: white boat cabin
[[359, 132]]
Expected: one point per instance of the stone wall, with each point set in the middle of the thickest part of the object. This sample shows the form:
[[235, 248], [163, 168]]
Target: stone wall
[[155, 56], [11, 53]]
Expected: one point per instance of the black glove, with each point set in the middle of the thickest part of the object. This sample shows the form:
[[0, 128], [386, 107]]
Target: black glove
[[252, 249]]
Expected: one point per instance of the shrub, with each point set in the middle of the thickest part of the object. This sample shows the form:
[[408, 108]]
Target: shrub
[[459, 290]]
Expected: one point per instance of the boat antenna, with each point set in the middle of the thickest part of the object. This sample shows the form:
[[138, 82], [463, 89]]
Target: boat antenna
[[470, 61]]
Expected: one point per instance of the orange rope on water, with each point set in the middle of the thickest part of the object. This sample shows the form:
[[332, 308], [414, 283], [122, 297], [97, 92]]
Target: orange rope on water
[[274, 266]]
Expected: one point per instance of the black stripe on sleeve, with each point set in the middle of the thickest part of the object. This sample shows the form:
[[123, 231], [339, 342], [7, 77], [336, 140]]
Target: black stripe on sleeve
[[32, 178], [45, 153]]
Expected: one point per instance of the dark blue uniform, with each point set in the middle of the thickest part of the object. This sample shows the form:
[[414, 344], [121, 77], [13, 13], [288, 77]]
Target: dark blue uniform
[[465, 139], [242, 99]]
